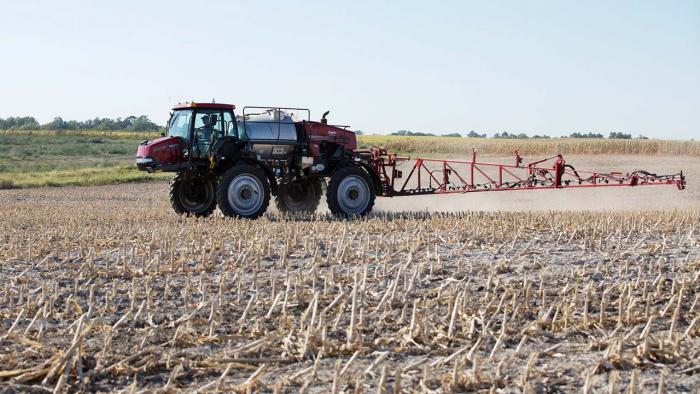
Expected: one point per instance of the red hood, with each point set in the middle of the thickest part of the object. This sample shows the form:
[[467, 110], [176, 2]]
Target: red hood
[[163, 151]]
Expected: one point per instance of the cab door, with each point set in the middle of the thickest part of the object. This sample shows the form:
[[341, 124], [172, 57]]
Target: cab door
[[206, 129]]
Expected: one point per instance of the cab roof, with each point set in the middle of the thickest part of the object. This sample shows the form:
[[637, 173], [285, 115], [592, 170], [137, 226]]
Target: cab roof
[[203, 105]]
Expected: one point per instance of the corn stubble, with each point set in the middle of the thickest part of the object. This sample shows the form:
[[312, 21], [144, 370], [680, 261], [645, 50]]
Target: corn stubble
[[96, 297]]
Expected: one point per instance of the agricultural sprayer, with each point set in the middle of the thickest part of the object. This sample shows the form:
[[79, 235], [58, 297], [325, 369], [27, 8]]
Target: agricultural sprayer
[[238, 162]]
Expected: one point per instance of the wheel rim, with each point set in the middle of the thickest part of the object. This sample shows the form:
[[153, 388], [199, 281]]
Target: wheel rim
[[298, 197], [196, 196], [353, 194], [245, 194]]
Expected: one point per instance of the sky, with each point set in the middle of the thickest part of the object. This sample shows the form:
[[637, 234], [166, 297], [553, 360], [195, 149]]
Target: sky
[[539, 67]]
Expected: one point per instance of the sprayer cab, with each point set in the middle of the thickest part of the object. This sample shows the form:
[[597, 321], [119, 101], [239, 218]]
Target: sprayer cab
[[191, 132]]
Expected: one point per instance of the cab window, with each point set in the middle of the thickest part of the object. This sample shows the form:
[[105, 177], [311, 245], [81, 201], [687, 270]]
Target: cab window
[[180, 124], [207, 127], [230, 125]]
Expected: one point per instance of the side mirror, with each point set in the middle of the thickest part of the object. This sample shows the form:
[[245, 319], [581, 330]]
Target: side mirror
[[162, 134]]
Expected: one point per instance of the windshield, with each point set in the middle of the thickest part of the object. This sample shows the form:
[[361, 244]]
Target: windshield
[[180, 124]]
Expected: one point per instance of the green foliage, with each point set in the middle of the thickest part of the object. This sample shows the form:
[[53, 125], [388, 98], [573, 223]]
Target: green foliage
[[620, 136], [130, 123], [506, 135], [78, 177], [474, 134], [408, 133], [19, 123], [586, 135], [50, 158]]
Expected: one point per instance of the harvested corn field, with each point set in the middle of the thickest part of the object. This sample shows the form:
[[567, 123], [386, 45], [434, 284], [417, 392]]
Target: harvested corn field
[[99, 298]]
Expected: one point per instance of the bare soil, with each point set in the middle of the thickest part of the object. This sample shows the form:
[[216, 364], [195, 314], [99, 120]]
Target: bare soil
[[104, 289]]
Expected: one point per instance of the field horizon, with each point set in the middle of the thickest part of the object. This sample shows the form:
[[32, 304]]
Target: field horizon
[[38, 158]]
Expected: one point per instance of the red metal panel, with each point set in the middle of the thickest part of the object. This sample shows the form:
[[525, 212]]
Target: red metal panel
[[317, 132], [203, 105]]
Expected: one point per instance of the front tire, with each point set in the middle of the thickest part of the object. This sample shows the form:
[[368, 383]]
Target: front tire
[[299, 196], [192, 196], [350, 192], [243, 192]]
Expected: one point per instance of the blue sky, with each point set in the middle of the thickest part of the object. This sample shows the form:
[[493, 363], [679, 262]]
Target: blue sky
[[537, 67]]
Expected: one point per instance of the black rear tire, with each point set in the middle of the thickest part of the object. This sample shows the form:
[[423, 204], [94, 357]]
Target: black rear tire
[[299, 196], [192, 195], [243, 192], [350, 192]]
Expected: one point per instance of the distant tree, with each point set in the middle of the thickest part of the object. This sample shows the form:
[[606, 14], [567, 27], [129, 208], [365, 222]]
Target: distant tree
[[359, 132], [72, 125], [506, 135], [19, 123], [641, 137], [412, 133], [56, 124], [586, 135], [619, 136], [543, 136], [474, 134], [142, 123], [106, 124], [131, 123], [452, 135]]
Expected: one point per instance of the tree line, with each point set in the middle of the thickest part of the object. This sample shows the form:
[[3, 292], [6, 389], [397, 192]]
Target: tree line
[[130, 123], [143, 123], [506, 135]]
